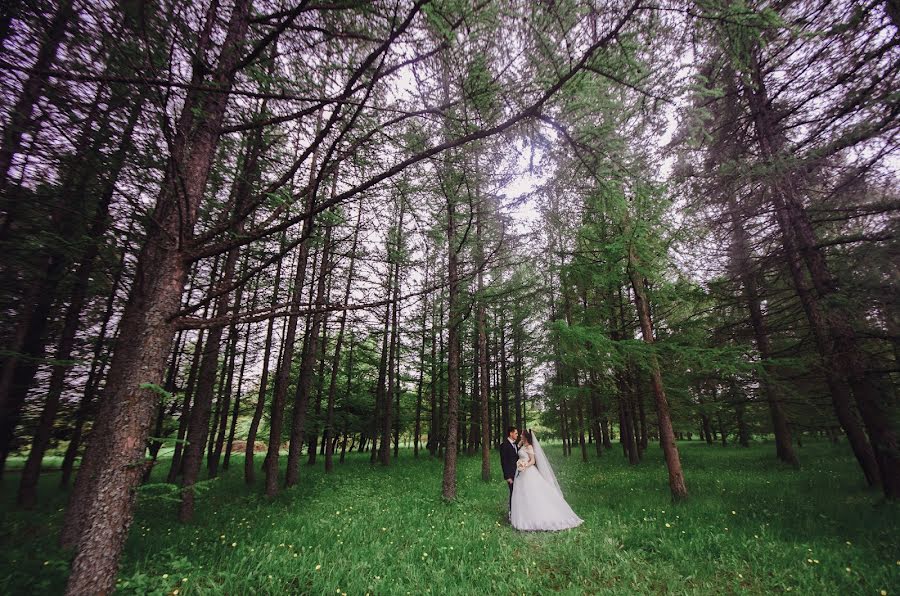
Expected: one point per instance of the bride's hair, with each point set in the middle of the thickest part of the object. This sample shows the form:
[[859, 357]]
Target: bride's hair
[[527, 435]]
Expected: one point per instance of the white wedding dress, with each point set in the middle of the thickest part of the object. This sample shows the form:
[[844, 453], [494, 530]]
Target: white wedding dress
[[537, 501]]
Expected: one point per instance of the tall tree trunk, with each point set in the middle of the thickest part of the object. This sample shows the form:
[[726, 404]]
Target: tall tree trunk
[[282, 375], [378, 431], [517, 371], [784, 449], [433, 385], [98, 364], [157, 256], [240, 384], [387, 394], [304, 382], [666, 434], [397, 384], [71, 321], [110, 466], [175, 468], [417, 432], [835, 337], [483, 374], [338, 344], [448, 485], [249, 470], [313, 446]]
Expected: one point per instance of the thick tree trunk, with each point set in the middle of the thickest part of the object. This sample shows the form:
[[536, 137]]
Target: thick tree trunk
[[112, 463], [835, 337]]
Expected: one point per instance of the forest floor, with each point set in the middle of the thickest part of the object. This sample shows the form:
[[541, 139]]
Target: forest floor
[[749, 527]]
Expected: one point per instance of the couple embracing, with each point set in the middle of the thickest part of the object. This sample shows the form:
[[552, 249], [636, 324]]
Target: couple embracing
[[535, 499]]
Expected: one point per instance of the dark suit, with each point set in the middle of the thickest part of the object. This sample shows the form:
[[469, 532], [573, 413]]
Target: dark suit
[[509, 455]]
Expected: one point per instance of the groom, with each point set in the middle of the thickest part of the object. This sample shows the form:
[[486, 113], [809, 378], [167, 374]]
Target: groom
[[508, 458]]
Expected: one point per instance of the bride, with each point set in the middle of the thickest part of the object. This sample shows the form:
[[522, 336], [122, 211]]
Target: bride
[[537, 501]]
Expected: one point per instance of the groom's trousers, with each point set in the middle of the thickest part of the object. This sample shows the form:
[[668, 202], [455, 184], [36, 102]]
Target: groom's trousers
[[510, 497]]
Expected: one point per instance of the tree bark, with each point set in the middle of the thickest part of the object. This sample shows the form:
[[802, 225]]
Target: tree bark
[[784, 449], [304, 382], [666, 434], [249, 470], [835, 337], [282, 376], [112, 465], [448, 484]]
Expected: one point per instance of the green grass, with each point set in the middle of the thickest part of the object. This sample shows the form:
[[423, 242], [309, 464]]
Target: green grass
[[749, 527]]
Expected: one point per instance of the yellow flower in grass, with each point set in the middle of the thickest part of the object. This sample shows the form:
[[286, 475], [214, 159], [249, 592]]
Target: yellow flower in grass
[[318, 567]]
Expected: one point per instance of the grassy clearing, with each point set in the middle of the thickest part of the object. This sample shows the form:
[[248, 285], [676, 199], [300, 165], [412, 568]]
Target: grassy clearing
[[750, 527]]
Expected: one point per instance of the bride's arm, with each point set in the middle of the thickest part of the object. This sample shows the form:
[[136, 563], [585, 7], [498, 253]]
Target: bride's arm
[[530, 453]]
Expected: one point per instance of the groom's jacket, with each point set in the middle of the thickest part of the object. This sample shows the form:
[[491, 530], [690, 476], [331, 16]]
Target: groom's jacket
[[508, 458]]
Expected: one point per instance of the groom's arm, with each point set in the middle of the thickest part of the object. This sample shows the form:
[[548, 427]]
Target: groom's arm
[[507, 462]]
